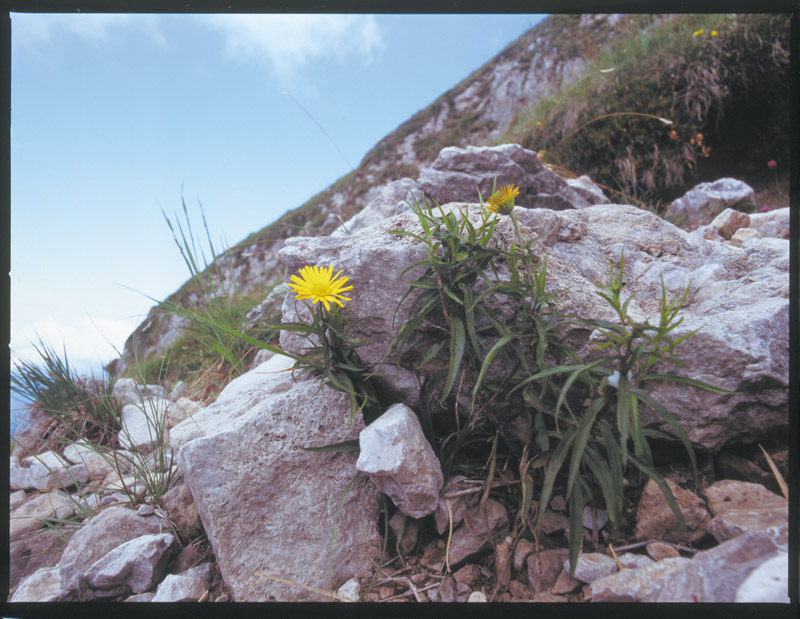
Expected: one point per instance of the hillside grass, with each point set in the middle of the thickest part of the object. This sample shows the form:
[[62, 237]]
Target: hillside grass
[[690, 70]]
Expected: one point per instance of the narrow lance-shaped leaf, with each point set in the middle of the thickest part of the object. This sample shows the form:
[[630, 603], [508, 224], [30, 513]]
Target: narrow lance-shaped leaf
[[665, 414], [457, 345], [488, 361]]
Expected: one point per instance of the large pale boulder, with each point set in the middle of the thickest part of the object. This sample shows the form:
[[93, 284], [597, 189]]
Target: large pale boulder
[[739, 300], [382, 202], [702, 203], [267, 505], [458, 174]]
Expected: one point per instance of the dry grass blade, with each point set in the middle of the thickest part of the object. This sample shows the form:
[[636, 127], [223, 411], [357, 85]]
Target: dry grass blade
[[778, 477], [449, 533], [306, 587]]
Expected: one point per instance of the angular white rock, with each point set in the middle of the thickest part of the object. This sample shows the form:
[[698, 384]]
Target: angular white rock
[[350, 590], [400, 461], [188, 586], [768, 583], [134, 566], [44, 585]]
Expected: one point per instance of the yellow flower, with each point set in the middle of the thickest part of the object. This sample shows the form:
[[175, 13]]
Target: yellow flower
[[714, 33], [538, 123], [502, 200], [697, 32], [318, 285]]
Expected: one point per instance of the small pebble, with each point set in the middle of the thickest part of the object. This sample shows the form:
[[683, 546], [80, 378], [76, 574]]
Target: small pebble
[[476, 596]]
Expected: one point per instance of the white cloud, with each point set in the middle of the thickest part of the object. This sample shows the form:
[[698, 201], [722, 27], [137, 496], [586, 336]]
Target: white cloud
[[33, 29], [287, 42]]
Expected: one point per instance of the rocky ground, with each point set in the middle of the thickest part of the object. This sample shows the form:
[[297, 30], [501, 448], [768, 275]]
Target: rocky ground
[[244, 501]]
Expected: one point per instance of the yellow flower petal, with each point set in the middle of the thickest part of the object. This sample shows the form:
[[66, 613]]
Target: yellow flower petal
[[319, 284]]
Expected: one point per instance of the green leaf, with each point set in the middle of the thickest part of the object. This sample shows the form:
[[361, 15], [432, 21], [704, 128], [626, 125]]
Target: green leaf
[[673, 505], [457, 345], [688, 381], [552, 469], [335, 447], [667, 416], [582, 438], [575, 526], [488, 360]]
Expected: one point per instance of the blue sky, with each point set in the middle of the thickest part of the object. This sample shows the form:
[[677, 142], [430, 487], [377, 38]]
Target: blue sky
[[112, 114]]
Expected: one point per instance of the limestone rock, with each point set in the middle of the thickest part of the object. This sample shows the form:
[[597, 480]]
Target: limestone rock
[[544, 568], [588, 190], [467, 575], [382, 202], [565, 583], [741, 236], [128, 391], [109, 529], [729, 494], [473, 536], [702, 203], [247, 390], [458, 174], [524, 548], [96, 465], [44, 585], [634, 585], [40, 549], [773, 224], [246, 448], [188, 586], [729, 221], [46, 472], [660, 550], [16, 499], [32, 514], [458, 504], [739, 301], [768, 583], [141, 424], [735, 522], [179, 505], [633, 561], [655, 519], [711, 576], [400, 461], [132, 567], [181, 410], [592, 566]]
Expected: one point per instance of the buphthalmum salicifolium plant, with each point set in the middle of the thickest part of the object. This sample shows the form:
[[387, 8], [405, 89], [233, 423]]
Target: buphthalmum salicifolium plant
[[494, 367]]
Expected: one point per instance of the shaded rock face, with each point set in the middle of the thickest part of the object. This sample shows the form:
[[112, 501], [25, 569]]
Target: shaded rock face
[[739, 300], [268, 506], [458, 174], [655, 520]]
